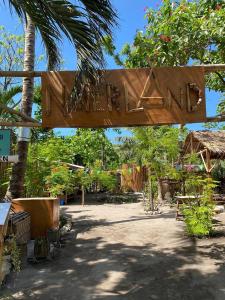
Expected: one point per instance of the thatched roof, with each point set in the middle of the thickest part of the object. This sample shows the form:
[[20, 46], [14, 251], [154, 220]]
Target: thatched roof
[[213, 141]]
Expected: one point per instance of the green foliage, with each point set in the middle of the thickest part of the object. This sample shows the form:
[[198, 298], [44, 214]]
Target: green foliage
[[157, 147], [104, 179], [180, 33], [60, 180], [83, 23], [11, 53], [39, 133], [218, 172], [42, 157], [88, 146], [11, 248], [101, 179], [91, 145], [11, 59], [198, 213]]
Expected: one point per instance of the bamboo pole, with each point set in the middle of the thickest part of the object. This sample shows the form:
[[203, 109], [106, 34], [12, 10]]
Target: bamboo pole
[[82, 188], [207, 69], [204, 162], [19, 124], [215, 119], [208, 163], [20, 74], [213, 68]]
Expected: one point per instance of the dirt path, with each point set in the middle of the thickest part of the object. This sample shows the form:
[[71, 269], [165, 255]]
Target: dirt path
[[117, 252]]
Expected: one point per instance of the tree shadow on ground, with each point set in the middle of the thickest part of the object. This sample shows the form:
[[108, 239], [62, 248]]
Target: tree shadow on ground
[[94, 268]]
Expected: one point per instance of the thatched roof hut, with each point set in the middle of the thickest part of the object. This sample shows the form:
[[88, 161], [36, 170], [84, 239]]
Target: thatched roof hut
[[212, 142]]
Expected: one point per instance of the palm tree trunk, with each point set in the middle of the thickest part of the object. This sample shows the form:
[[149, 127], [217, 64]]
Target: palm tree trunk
[[16, 185]]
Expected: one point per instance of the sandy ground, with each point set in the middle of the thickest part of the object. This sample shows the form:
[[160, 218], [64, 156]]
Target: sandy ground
[[118, 252]]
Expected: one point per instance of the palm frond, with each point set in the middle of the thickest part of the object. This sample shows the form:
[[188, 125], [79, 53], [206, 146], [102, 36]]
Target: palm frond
[[6, 97], [83, 23]]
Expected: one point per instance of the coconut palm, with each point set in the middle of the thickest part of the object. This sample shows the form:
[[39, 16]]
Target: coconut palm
[[84, 23]]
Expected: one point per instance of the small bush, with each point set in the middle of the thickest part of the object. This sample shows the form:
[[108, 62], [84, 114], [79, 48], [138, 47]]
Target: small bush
[[198, 220], [198, 214]]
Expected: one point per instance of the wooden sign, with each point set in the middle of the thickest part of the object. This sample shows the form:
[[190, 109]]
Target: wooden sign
[[5, 141], [9, 159], [131, 97]]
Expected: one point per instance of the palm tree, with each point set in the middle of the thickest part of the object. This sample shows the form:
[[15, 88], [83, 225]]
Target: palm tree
[[84, 24]]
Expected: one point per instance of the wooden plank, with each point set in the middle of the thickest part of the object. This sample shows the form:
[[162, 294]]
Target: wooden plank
[[215, 119], [207, 69], [19, 124], [20, 74], [214, 68]]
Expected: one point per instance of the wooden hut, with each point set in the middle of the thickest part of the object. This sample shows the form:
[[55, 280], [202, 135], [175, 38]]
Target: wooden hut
[[210, 145]]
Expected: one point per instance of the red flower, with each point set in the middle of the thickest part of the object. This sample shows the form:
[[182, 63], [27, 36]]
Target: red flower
[[165, 38], [218, 7]]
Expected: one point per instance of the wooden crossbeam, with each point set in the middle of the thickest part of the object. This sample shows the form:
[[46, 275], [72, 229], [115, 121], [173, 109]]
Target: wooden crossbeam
[[216, 119], [20, 74], [214, 68], [19, 124], [207, 69]]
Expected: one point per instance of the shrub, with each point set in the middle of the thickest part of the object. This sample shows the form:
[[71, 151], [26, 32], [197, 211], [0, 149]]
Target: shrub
[[198, 214], [60, 180]]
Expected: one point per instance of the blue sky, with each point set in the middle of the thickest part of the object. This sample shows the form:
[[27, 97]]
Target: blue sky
[[131, 19]]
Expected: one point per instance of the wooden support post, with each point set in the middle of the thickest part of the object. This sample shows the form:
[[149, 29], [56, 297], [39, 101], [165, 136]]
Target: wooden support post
[[208, 163], [82, 189], [192, 150], [204, 162], [181, 127]]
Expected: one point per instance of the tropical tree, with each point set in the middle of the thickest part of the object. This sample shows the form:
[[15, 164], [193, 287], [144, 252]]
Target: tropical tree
[[158, 149], [11, 59], [48, 157], [91, 145], [179, 33], [84, 25]]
